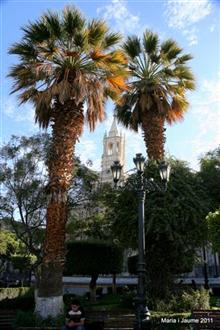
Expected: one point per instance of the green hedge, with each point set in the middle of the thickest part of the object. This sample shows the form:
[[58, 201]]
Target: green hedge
[[29, 319], [185, 301], [93, 257], [17, 298], [12, 293]]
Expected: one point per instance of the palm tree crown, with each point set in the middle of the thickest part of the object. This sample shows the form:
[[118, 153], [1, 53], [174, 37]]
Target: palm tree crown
[[67, 58], [157, 93]]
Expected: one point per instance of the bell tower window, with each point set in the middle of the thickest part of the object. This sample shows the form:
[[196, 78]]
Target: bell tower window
[[110, 149]]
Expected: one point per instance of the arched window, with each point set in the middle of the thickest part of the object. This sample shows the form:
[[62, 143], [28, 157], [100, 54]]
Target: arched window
[[110, 149], [117, 147]]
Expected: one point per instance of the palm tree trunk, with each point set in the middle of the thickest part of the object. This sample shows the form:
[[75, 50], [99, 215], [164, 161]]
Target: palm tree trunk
[[154, 136], [67, 126]]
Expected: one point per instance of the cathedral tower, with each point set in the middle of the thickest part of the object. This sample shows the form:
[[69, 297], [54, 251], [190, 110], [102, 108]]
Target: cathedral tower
[[113, 149]]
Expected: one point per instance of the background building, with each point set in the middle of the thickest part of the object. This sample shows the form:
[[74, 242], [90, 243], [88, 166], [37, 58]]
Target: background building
[[113, 149]]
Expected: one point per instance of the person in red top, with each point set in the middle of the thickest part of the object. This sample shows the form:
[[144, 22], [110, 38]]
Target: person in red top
[[75, 317]]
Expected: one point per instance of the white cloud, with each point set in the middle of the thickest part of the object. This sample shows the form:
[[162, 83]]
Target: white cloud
[[206, 112], [24, 113], [212, 28], [87, 151], [124, 20], [184, 15], [191, 36]]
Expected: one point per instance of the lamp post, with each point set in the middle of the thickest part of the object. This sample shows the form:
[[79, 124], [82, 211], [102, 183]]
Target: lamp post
[[116, 172], [141, 311]]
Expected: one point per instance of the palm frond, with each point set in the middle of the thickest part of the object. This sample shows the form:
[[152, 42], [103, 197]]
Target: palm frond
[[72, 20], [111, 39], [132, 47], [183, 72], [66, 60], [97, 30], [151, 42], [184, 58], [53, 24], [36, 32], [25, 50], [170, 50], [80, 40], [159, 80], [118, 83], [95, 105]]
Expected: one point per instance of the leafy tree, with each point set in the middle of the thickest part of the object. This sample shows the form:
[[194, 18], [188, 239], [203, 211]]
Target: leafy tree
[[213, 220], [210, 174], [25, 264], [23, 201], [65, 63], [93, 258], [94, 226], [159, 81], [13, 251], [175, 224], [88, 219], [8, 246], [82, 190]]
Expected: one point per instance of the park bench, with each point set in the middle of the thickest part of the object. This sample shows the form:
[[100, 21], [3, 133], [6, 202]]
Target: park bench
[[100, 321], [208, 319], [6, 319]]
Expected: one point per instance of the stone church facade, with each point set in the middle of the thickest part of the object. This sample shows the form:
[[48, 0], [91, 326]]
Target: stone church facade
[[113, 149]]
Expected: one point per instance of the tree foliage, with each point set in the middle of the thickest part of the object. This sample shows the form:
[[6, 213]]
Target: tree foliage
[[23, 179], [88, 217], [210, 174], [65, 58], [93, 258], [174, 223], [213, 220], [160, 79], [9, 245]]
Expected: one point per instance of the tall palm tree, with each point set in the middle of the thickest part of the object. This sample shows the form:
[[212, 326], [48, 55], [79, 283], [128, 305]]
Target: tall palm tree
[[67, 68], [158, 86]]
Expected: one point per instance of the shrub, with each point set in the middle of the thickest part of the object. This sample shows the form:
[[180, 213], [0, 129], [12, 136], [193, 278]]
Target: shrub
[[187, 300], [101, 258], [67, 297], [50, 321], [23, 303], [24, 319], [198, 299], [12, 293], [127, 297], [29, 319], [17, 298]]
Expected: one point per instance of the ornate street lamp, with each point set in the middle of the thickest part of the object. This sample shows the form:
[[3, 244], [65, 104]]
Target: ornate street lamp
[[164, 170], [116, 171], [141, 311], [139, 162]]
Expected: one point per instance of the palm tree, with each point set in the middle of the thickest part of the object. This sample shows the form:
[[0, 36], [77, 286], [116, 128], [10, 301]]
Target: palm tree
[[67, 68], [157, 93]]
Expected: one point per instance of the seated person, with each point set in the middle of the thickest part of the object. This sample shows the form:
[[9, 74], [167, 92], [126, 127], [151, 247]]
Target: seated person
[[75, 318]]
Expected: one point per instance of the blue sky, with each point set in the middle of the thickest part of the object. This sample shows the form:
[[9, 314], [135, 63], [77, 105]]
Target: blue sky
[[195, 25]]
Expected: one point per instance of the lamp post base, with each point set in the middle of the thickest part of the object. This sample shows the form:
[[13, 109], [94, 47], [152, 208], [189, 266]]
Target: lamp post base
[[142, 314]]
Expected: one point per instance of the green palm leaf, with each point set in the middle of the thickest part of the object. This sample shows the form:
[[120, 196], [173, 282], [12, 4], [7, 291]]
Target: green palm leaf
[[62, 58], [158, 86]]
